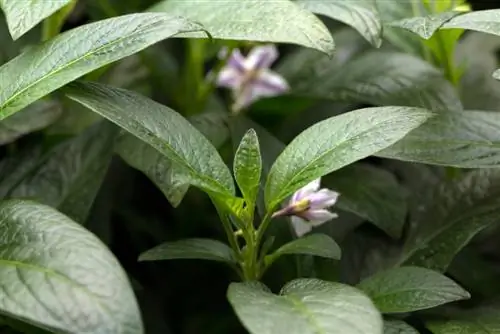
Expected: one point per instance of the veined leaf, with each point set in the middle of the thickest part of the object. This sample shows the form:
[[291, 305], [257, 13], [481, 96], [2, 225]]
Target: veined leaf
[[304, 306], [278, 21], [50, 65], [479, 320], [23, 15], [487, 21], [336, 142], [398, 327], [57, 275], [164, 129], [424, 26]]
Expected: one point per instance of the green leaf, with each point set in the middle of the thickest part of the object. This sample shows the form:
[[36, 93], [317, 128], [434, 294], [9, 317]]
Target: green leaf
[[384, 78], [33, 118], [424, 26], [409, 289], [278, 21], [336, 142], [304, 306], [205, 249], [479, 320], [69, 176], [361, 15], [164, 129], [466, 139], [57, 275], [314, 244], [248, 167], [14, 168], [487, 21], [373, 194], [160, 169], [50, 65], [398, 327], [459, 210], [23, 15]]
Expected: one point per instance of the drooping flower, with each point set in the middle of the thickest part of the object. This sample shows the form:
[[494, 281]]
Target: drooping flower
[[250, 77], [308, 207]]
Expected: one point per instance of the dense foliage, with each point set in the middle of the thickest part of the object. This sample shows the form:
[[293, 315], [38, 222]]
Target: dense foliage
[[249, 166]]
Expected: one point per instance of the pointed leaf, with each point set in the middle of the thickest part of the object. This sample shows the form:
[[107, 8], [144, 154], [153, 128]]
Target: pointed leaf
[[23, 15], [205, 249], [248, 167], [57, 275], [336, 142], [408, 289], [361, 15], [487, 21], [466, 139], [50, 65], [314, 244], [479, 320], [304, 306], [164, 129], [424, 26], [278, 21], [398, 327]]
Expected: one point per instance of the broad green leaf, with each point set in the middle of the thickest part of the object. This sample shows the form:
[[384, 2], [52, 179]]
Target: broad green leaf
[[373, 194], [424, 26], [23, 15], [361, 15], [336, 142], [278, 21], [160, 169], [50, 65], [69, 176], [487, 21], [459, 210], [314, 244], [248, 167], [33, 118], [398, 327], [164, 129], [384, 78], [408, 289], [466, 139], [304, 306], [479, 320], [205, 249], [57, 275]]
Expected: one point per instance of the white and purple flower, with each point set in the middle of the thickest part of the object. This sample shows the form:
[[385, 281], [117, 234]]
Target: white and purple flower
[[250, 77], [308, 207]]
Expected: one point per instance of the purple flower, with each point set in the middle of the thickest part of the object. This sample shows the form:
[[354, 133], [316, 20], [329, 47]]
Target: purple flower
[[250, 78], [308, 207]]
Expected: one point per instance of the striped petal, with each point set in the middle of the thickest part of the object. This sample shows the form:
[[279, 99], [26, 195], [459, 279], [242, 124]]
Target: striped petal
[[261, 57]]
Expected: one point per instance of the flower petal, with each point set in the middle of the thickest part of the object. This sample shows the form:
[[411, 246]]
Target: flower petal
[[236, 60], [261, 57], [318, 217], [267, 83], [306, 190], [229, 77], [322, 199], [244, 97], [300, 226]]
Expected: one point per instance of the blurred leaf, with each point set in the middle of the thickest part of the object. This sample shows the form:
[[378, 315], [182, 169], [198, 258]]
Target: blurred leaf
[[304, 306], [14, 168], [278, 21], [371, 193], [409, 289], [69, 176], [33, 118], [24, 15], [164, 129], [205, 249], [487, 21], [50, 65], [480, 320], [424, 26], [59, 276], [398, 327], [458, 211], [466, 139], [336, 142], [362, 15], [74, 119]]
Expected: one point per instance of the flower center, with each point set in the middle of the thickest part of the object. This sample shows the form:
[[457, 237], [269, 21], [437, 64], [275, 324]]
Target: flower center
[[301, 206]]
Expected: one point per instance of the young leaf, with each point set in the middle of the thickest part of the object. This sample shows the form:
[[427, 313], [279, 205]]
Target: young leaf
[[398, 327], [23, 15], [304, 306], [49, 66], [278, 21], [314, 244], [248, 167], [69, 176], [466, 139], [424, 26], [479, 320], [57, 275], [408, 289], [205, 249], [164, 129], [361, 15], [336, 142], [487, 21]]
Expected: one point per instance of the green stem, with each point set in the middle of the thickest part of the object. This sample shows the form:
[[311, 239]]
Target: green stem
[[230, 235], [193, 75]]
